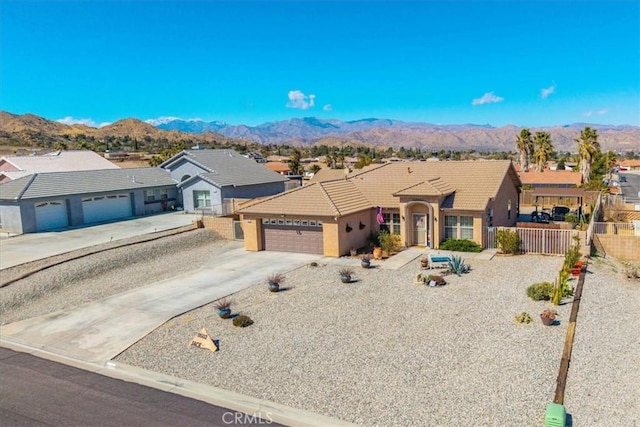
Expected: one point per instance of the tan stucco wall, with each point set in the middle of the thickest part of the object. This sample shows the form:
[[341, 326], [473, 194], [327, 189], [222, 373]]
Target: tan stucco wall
[[507, 192], [356, 238], [252, 229]]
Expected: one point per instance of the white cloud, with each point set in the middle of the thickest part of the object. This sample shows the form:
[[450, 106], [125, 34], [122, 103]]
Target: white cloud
[[487, 98], [327, 107], [297, 99], [601, 112], [545, 92], [87, 122]]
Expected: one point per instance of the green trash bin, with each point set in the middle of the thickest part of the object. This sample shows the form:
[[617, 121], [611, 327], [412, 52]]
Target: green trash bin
[[555, 416]]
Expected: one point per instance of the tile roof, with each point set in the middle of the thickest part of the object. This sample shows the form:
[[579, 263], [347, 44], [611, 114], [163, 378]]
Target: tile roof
[[57, 161], [331, 198], [57, 184], [277, 166], [467, 185], [326, 174], [532, 177], [227, 167]]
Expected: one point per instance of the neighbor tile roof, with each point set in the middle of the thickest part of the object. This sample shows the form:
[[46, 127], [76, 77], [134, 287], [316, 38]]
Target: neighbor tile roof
[[227, 167], [327, 174], [57, 161], [57, 184], [332, 198], [548, 177], [277, 166], [467, 185]]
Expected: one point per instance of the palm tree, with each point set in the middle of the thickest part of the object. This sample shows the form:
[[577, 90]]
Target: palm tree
[[588, 147], [524, 144], [543, 149]]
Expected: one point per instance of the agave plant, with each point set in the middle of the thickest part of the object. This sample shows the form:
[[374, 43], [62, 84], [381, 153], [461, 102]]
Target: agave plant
[[457, 265]]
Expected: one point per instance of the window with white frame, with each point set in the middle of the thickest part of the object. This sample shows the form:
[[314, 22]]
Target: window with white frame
[[450, 227], [164, 194], [466, 227], [150, 195], [391, 223], [201, 198]]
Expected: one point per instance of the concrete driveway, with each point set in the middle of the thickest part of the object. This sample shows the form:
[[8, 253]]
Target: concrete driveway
[[98, 331], [33, 246]]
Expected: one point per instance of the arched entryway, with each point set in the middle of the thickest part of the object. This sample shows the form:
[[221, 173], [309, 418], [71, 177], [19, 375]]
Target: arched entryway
[[419, 224]]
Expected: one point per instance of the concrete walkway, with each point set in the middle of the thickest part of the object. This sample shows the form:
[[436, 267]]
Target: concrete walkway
[[98, 331]]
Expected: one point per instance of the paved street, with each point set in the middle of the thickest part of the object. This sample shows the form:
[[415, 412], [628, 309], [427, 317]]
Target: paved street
[[39, 392]]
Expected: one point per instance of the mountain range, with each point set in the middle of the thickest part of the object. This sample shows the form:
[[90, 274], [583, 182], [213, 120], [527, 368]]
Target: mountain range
[[395, 133], [28, 129]]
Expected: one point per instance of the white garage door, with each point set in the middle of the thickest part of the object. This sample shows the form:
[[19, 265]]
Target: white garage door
[[105, 208], [50, 215]]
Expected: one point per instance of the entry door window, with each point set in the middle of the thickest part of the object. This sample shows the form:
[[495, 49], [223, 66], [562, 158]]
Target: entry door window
[[420, 229], [201, 199]]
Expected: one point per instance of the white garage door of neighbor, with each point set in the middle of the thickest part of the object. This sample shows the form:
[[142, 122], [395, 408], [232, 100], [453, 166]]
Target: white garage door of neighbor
[[105, 208], [50, 215]]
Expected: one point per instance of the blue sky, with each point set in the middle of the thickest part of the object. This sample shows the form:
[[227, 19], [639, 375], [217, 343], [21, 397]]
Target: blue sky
[[247, 62]]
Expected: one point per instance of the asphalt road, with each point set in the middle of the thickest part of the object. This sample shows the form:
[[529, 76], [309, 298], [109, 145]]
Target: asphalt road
[[631, 188], [39, 392]]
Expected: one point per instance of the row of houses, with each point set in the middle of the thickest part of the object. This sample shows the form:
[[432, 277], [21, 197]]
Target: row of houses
[[424, 202]]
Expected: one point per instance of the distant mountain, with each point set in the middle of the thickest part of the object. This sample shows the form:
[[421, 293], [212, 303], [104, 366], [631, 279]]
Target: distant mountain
[[396, 133], [28, 129], [32, 130]]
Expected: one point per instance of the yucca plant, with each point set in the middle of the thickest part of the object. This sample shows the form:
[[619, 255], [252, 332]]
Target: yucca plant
[[457, 265]]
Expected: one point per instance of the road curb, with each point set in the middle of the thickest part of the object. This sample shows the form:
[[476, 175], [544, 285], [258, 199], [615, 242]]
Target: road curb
[[213, 395]]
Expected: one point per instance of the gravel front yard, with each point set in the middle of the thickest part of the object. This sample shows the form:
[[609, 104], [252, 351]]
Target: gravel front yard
[[381, 350]]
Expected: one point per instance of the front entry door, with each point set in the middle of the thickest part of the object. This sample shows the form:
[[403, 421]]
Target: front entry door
[[419, 229]]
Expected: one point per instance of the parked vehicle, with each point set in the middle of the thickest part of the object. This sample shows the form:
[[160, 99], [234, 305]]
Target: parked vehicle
[[623, 178], [540, 216], [558, 213]]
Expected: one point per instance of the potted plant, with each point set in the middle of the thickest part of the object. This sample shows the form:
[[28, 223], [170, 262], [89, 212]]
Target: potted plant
[[424, 262], [377, 252], [274, 281], [365, 260], [548, 317], [345, 274], [224, 308]]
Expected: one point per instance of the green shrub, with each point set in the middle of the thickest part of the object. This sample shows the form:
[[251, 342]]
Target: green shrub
[[460, 245], [540, 291], [242, 321], [524, 317], [508, 241], [571, 217]]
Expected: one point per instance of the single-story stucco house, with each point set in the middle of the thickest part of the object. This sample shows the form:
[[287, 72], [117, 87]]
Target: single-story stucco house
[[208, 178], [46, 201], [424, 202]]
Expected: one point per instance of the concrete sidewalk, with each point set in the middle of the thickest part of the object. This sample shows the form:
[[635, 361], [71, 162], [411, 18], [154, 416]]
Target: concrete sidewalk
[[98, 331]]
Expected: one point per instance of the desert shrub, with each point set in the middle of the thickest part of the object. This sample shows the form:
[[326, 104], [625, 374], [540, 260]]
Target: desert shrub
[[242, 321], [508, 241], [524, 317], [457, 265], [460, 245], [540, 291], [389, 242]]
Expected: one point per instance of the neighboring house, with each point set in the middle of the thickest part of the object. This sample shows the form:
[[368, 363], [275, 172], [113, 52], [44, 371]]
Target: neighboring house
[[209, 178], [51, 200], [549, 178], [13, 167], [278, 167], [424, 202], [629, 165], [327, 174]]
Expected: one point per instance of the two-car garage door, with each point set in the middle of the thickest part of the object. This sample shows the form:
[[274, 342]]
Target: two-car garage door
[[105, 208], [293, 238]]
